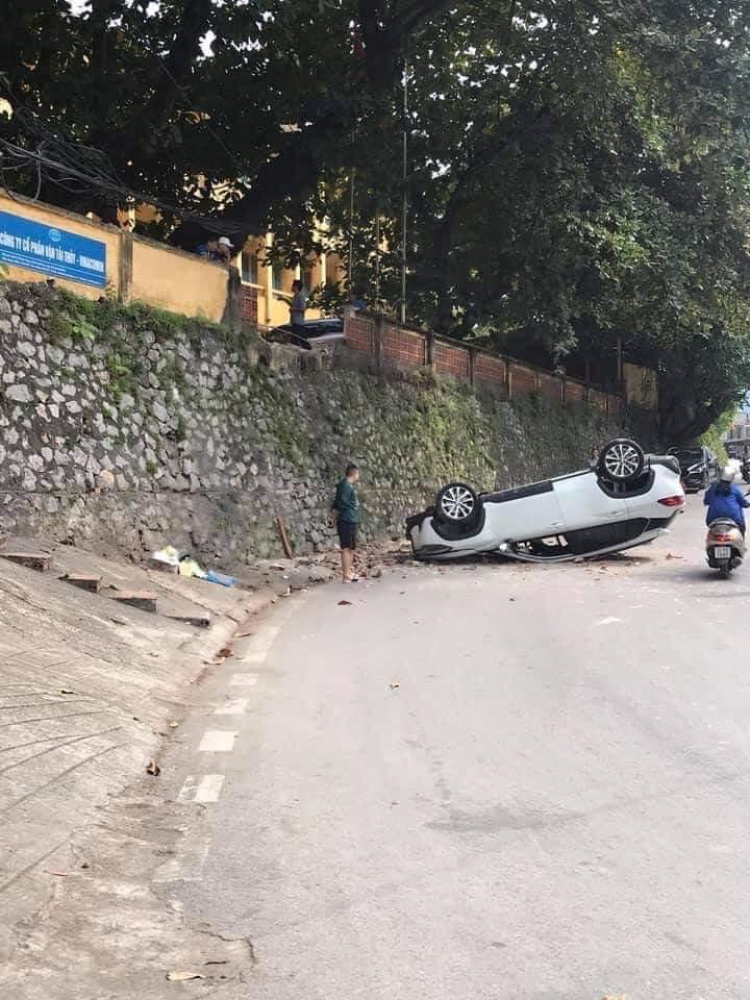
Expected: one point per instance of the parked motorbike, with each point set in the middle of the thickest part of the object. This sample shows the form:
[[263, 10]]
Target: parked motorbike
[[725, 546], [745, 470]]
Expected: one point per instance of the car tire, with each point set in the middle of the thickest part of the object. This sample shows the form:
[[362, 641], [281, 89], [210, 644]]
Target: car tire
[[621, 461], [457, 503]]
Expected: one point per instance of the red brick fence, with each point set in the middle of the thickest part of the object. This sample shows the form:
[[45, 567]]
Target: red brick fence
[[395, 346]]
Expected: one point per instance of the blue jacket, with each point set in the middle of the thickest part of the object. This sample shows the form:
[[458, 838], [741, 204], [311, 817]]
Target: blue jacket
[[725, 504]]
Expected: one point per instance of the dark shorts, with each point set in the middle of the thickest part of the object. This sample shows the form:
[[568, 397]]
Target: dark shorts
[[347, 534]]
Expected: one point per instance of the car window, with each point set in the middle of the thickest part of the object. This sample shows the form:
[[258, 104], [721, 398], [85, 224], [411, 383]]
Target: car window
[[685, 455]]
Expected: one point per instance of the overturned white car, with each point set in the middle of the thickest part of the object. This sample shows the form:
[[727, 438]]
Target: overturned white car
[[626, 499]]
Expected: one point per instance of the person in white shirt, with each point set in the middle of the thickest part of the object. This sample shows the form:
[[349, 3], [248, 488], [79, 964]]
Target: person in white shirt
[[297, 308]]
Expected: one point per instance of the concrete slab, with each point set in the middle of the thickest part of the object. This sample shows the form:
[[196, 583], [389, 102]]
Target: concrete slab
[[86, 689], [84, 581], [39, 561]]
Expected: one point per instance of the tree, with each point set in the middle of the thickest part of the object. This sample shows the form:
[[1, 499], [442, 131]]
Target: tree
[[578, 171]]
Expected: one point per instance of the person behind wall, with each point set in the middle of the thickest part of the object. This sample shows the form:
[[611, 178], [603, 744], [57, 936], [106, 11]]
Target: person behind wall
[[297, 308], [216, 249], [345, 516]]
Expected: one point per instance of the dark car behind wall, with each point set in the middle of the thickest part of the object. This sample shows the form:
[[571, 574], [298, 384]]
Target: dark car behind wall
[[698, 467], [314, 332]]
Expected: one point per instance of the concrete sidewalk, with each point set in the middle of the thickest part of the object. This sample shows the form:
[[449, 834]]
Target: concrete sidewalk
[[88, 687]]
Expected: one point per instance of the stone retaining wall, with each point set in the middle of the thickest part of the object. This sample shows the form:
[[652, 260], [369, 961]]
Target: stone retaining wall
[[123, 428]]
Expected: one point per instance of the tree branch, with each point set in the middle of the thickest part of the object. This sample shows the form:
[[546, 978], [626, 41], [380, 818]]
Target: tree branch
[[194, 23]]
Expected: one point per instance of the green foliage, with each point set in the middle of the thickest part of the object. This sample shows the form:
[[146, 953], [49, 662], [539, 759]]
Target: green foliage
[[578, 173], [713, 437], [59, 328]]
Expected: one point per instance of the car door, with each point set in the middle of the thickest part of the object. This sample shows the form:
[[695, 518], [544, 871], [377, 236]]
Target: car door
[[584, 504], [524, 513]]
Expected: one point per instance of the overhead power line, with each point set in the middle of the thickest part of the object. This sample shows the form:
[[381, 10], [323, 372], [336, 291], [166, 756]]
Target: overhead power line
[[80, 170]]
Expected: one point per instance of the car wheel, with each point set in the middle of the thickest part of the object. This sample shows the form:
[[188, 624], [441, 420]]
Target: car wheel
[[457, 503], [621, 460]]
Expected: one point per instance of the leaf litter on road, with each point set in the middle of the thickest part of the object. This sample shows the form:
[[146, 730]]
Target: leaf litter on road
[[178, 976]]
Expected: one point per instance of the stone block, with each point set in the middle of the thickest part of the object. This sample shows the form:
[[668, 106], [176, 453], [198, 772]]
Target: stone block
[[144, 600], [83, 582], [39, 561]]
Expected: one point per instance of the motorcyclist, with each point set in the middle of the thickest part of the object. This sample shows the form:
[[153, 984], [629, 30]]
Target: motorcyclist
[[725, 500]]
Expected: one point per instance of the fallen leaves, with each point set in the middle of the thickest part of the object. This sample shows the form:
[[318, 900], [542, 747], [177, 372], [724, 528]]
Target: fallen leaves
[[153, 769], [177, 976], [394, 685], [174, 724], [345, 604], [669, 555], [66, 691]]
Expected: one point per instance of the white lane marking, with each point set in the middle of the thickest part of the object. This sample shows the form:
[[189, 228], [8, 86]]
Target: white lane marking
[[256, 658], [217, 741], [209, 788], [243, 680], [201, 789], [235, 706], [265, 637], [261, 643], [187, 792]]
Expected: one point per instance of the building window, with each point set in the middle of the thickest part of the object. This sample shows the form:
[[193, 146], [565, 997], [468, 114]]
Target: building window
[[278, 278], [249, 268]]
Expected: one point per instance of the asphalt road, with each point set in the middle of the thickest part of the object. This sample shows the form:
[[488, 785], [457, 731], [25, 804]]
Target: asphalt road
[[501, 781], [496, 781]]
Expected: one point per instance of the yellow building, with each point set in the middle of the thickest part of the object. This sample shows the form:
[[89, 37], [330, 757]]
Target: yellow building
[[268, 287]]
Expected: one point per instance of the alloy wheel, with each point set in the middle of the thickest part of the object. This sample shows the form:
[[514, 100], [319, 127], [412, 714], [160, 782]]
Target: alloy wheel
[[457, 503], [622, 460]]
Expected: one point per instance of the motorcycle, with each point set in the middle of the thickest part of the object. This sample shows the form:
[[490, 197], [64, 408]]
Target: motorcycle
[[745, 469], [725, 546]]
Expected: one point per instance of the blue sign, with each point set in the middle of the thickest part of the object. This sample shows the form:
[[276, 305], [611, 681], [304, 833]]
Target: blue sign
[[52, 251]]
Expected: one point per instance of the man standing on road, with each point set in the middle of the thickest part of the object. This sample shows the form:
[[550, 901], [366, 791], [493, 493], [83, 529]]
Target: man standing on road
[[345, 515]]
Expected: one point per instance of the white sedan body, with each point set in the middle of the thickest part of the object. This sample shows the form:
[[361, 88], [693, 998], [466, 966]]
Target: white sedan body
[[560, 518]]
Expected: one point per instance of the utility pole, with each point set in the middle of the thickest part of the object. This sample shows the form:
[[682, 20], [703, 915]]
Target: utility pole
[[403, 197], [377, 259], [351, 234]]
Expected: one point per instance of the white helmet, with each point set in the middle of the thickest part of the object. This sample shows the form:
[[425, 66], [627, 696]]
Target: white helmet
[[727, 474]]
